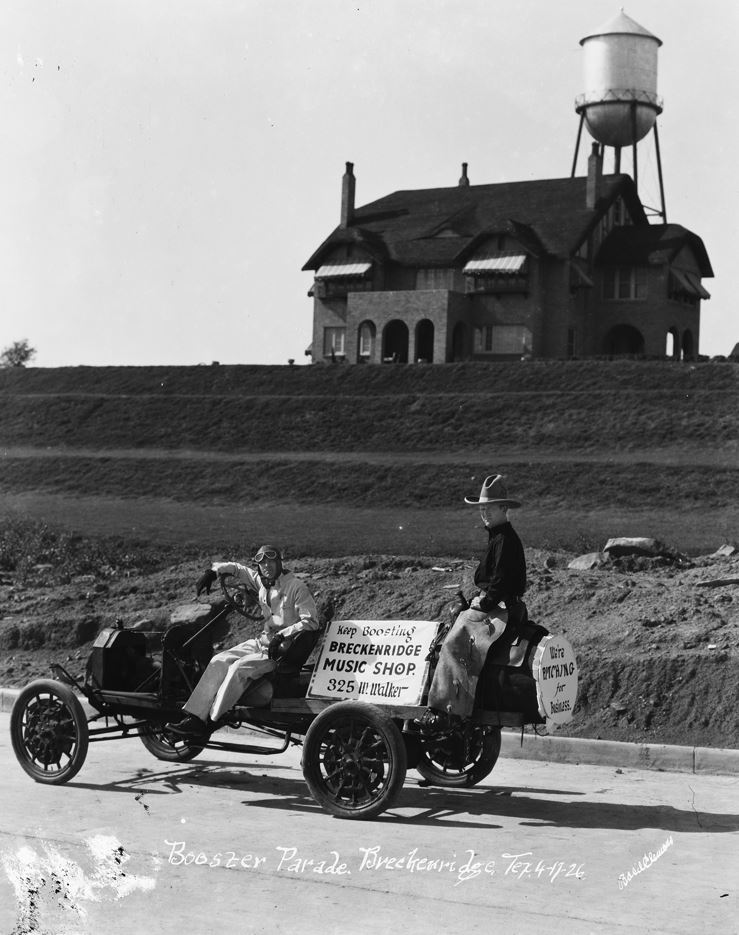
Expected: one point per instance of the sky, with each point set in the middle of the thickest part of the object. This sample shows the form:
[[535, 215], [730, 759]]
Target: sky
[[167, 168]]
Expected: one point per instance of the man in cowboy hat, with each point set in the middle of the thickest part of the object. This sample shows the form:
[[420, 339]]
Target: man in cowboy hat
[[288, 608], [501, 574], [501, 578]]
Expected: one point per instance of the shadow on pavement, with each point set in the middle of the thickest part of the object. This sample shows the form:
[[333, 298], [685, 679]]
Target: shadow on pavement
[[525, 804], [465, 808]]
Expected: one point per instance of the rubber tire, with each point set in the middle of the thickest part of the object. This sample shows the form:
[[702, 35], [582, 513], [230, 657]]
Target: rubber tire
[[353, 715], [181, 751], [70, 710], [429, 767]]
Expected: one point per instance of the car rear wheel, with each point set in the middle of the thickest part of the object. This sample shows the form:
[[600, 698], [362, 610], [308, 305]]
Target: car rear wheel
[[48, 730], [462, 757], [166, 746]]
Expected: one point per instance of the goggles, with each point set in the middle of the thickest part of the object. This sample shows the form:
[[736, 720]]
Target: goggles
[[263, 554]]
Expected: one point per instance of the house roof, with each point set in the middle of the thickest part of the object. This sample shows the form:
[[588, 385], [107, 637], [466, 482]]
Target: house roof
[[441, 226], [653, 244]]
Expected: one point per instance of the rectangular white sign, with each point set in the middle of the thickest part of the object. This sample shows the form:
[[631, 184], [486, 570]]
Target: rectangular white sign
[[380, 661]]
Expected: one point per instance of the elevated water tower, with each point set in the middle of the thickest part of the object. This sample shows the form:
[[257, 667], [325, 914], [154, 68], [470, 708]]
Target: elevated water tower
[[620, 105]]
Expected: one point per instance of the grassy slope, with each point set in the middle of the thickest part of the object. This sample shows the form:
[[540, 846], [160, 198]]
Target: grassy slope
[[576, 422], [557, 406]]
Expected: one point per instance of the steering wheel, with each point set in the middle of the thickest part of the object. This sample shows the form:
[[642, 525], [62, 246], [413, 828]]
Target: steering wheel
[[240, 598]]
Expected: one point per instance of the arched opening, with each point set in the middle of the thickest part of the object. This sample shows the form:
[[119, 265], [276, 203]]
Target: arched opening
[[366, 336], [672, 345], [395, 342], [688, 345], [459, 339], [623, 340], [425, 341]]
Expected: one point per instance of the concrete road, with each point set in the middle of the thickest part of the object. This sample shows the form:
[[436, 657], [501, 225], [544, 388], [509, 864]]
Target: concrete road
[[236, 844]]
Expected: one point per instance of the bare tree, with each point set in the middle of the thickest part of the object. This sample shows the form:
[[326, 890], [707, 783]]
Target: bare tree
[[17, 354]]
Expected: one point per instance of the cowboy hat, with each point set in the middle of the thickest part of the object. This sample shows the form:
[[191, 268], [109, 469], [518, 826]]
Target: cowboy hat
[[493, 491]]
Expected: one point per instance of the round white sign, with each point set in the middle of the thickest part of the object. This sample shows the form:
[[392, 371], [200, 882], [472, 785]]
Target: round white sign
[[555, 671]]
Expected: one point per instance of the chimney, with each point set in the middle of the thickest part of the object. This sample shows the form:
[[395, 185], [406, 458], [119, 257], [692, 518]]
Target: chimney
[[464, 182], [348, 184], [595, 176]]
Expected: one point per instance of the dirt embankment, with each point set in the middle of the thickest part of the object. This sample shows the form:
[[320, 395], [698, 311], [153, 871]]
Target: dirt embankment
[[657, 639]]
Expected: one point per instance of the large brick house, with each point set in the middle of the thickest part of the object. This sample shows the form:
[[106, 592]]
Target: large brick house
[[553, 268]]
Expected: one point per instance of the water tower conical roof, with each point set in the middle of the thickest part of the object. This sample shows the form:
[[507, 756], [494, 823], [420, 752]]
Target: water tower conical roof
[[621, 25]]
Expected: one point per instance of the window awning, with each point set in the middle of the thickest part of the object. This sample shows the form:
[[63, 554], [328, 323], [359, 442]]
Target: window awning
[[690, 283], [505, 265], [343, 270]]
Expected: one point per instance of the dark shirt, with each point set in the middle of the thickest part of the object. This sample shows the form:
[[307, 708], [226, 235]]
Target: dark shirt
[[501, 573]]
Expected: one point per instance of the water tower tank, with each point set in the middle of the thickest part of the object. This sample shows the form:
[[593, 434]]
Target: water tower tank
[[620, 104]]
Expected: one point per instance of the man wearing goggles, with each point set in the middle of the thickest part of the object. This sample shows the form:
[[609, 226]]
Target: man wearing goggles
[[287, 607]]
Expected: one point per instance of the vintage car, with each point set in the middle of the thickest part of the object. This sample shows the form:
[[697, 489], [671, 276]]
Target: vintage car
[[354, 702]]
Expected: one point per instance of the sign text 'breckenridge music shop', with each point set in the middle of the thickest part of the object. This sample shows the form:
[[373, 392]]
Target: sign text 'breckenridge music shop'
[[380, 661]]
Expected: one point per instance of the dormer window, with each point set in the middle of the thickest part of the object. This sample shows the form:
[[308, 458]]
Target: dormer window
[[685, 287], [502, 264], [343, 270], [338, 279], [435, 278], [502, 272]]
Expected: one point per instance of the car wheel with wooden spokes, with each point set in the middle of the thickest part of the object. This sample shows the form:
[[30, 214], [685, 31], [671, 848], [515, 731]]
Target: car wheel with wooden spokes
[[354, 760], [460, 757], [167, 746], [48, 730]]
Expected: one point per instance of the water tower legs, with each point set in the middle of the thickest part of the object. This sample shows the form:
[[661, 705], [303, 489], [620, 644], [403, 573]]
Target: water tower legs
[[635, 166], [659, 173], [577, 144], [633, 145]]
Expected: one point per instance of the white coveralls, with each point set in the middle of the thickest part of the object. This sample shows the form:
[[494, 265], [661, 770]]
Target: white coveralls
[[287, 607]]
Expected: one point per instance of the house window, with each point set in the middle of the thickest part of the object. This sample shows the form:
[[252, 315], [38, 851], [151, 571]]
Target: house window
[[620, 214], [686, 287], [503, 339], [333, 342], [435, 279], [366, 339], [503, 272], [622, 282], [338, 279], [484, 339]]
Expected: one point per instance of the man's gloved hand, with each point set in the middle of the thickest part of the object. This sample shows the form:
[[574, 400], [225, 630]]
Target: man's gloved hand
[[276, 648], [205, 581]]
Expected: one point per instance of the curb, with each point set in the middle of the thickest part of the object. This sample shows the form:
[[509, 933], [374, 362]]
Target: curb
[[661, 757]]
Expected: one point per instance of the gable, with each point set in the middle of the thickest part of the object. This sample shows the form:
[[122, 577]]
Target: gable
[[654, 245]]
